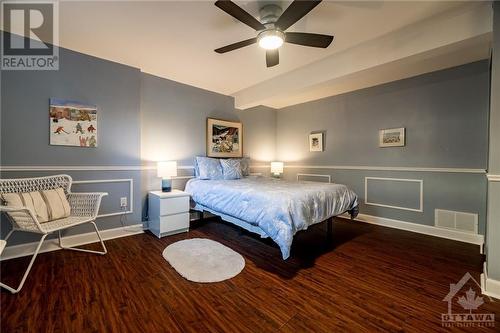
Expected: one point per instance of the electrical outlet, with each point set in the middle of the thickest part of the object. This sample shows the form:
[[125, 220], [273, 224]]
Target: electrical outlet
[[123, 202]]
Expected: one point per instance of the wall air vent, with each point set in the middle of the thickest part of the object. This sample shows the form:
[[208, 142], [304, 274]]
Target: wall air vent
[[465, 222]]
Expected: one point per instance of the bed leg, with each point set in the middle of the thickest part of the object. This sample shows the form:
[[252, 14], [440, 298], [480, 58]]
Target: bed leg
[[329, 228]]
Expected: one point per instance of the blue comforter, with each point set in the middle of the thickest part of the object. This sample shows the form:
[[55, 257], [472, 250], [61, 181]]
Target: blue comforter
[[280, 208]]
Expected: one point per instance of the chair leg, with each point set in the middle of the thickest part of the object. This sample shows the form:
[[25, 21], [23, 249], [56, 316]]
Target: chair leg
[[84, 250], [14, 291]]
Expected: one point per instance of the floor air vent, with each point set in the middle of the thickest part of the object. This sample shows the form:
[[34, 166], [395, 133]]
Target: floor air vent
[[449, 219]]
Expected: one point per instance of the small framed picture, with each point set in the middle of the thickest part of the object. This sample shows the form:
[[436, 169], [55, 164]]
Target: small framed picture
[[392, 137], [316, 142]]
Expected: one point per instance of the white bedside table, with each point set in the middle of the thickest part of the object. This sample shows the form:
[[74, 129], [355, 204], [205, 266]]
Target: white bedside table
[[168, 212]]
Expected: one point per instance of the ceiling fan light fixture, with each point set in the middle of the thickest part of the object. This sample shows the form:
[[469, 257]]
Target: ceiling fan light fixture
[[271, 39]]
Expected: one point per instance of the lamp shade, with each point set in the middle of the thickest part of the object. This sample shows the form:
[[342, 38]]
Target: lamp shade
[[167, 169], [276, 167]]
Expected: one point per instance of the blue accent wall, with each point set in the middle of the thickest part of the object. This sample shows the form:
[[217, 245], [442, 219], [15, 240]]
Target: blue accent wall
[[445, 114]]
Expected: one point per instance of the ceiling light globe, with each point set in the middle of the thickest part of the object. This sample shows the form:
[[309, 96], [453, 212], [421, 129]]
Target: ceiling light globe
[[271, 39]]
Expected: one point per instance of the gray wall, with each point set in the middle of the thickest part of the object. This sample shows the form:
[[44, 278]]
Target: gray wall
[[173, 127], [114, 88], [260, 133], [142, 119], [173, 119], [445, 114], [493, 227]]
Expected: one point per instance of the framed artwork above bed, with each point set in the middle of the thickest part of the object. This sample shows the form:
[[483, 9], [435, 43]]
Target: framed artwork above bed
[[224, 138]]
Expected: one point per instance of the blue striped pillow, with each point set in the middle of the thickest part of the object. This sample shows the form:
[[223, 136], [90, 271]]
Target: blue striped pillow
[[231, 169], [209, 168]]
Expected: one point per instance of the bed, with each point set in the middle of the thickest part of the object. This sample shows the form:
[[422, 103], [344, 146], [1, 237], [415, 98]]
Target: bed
[[272, 207]]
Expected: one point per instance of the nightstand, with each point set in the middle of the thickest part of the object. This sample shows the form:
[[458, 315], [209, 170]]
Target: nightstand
[[168, 212]]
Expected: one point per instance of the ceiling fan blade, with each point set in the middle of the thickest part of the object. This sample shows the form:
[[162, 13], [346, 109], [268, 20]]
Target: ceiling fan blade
[[272, 57], [235, 46], [238, 13], [307, 39], [297, 10]]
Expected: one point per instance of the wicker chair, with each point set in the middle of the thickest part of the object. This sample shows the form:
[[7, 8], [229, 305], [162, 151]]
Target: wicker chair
[[84, 209]]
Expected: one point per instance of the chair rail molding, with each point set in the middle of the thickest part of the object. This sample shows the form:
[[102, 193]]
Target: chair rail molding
[[84, 167], [421, 194], [378, 168], [190, 167], [493, 178]]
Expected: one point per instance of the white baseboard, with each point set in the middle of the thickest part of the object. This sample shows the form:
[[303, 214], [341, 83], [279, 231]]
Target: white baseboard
[[27, 249], [489, 286], [422, 229]]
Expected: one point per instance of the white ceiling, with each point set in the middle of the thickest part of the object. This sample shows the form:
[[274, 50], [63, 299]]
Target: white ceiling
[[176, 39], [375, 42], [449, 39]]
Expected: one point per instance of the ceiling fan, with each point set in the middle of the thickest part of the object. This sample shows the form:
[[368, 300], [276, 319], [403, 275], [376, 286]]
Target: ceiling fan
[[271, 27]]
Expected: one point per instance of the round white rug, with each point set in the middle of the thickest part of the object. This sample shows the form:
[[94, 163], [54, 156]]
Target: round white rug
[[203, 260]]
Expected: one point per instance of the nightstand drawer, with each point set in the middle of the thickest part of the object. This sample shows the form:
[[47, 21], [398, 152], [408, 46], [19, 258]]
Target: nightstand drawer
[[174, 222], [174, 205]]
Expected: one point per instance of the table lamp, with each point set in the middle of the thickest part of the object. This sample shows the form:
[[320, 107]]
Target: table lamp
[[166, 170], [276, 169]]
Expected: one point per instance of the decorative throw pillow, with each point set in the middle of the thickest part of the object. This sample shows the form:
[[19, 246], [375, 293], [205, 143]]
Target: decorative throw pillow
[[231, 169], [31, 200], [196, 168], [46, 205], [209, 168], [57, 204], [245, 166]]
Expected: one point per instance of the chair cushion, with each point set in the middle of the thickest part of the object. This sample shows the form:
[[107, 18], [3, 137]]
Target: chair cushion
[[46, 205], [57, 203], [31, 200]]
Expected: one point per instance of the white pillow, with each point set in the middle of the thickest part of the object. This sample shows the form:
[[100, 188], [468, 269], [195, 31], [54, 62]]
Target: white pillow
[[46, 205]]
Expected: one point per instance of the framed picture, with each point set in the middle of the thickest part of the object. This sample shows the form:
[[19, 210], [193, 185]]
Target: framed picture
[[72, 123], [224, 138], [393, 137], [316, 142]]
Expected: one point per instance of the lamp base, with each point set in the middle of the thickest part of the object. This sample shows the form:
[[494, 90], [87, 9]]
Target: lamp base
[[166, 185], [276, 175]]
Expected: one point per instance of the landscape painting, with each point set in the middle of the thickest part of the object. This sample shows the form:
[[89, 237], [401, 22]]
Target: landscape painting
[[394, 137], [224, 138], [72, 123]]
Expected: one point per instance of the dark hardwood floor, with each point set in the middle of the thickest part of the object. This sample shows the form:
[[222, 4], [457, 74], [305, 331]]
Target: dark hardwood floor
[[367, 278]]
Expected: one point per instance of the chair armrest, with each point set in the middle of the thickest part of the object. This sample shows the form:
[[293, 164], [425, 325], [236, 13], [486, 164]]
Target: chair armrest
[[85, 204], [22, 218]]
